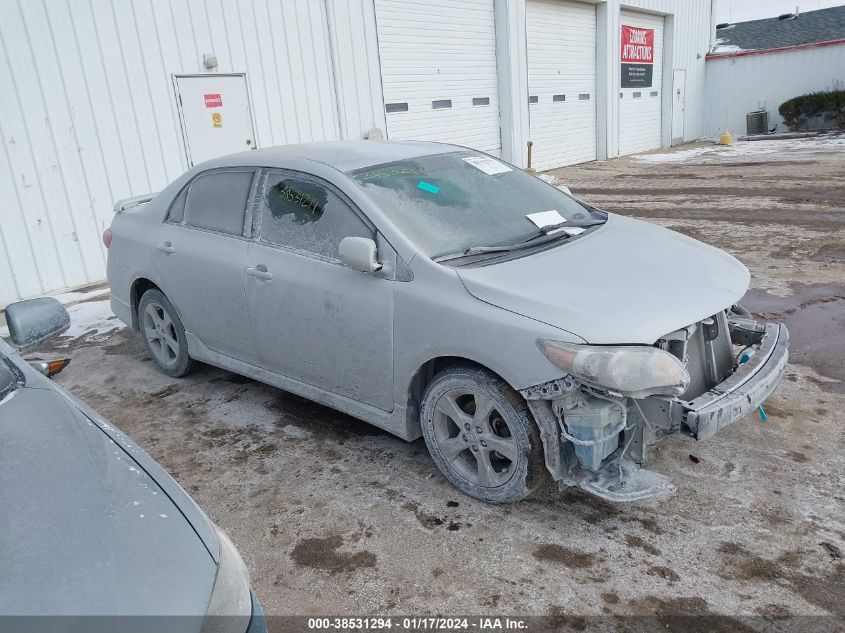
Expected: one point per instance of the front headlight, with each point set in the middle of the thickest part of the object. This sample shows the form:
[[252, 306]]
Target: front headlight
[[230, 607], [635, 370]]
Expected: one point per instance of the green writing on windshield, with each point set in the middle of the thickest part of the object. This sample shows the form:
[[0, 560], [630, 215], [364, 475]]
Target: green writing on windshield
[[391, 172]]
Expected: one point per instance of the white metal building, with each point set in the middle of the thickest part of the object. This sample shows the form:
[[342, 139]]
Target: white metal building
[[759, 64], [102, 100]]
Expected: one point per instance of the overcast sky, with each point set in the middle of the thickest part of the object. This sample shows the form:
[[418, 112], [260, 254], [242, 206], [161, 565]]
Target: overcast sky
[[743, 10]]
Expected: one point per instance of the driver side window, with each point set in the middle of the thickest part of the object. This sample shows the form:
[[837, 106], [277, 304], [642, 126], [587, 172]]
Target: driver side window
[[308, 216]]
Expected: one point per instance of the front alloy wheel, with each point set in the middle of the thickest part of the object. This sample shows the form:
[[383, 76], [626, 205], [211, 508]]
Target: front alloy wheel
[[482, 436]]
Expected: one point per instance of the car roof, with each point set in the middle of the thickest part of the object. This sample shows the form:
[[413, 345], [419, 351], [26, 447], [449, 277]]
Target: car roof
[[344, 156]]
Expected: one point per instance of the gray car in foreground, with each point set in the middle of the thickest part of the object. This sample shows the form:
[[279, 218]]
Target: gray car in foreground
[[435, 291], [91, 525]]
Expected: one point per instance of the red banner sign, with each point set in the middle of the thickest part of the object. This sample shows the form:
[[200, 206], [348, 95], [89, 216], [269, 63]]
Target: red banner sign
[[213, 100], [637, 45]]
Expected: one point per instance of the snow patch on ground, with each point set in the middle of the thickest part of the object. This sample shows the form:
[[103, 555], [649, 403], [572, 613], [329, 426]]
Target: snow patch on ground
[[90, 317], [552, 180], [92, 320], [67, 298], [743, 149]]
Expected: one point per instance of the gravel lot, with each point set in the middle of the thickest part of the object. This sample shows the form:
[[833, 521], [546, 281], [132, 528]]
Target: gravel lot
[[335, 517]]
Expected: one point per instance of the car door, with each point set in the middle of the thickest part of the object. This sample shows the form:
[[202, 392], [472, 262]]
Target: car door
[[313, 319], [199, 255]]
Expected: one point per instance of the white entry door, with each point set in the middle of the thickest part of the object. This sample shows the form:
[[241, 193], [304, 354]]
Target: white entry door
[[439, 75], [215, 114], [678, 105], [561, 81]]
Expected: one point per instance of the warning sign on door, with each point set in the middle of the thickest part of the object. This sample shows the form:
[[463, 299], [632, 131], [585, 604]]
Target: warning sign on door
[[213, 100], [637, 57]]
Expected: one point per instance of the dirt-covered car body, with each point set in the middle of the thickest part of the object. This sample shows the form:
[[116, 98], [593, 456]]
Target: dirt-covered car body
[[285, 310]]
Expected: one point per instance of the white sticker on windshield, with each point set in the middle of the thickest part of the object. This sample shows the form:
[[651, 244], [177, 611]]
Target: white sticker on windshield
[[573, 230], [488, 165], [545, 219]]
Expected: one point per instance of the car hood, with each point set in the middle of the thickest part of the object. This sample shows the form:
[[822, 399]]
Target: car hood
[[628, 282], [86, 528]]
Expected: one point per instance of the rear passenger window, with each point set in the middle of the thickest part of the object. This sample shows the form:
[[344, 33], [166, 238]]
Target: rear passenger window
[[217, 201], [307, 216]]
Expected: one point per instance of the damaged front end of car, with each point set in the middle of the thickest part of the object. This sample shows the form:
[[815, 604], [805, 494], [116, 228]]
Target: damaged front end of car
[[599, 421]]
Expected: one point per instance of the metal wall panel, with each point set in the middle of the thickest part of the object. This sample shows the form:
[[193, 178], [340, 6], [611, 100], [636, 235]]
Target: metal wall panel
[[352, 24], [743, 84], [88, 114]]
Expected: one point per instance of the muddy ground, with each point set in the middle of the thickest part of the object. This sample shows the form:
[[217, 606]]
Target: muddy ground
[[336, 517]]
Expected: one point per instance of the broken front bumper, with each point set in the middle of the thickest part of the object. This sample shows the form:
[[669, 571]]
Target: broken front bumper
[[744, 390]]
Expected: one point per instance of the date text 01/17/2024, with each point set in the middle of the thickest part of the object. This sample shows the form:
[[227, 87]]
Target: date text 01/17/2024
[[480, 623]]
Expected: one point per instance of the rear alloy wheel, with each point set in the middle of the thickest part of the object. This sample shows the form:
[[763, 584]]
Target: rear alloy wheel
[[163, 334], [482, 436]]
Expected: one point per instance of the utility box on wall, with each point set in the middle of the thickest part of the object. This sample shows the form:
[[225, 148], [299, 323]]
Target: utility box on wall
[[215, 115]]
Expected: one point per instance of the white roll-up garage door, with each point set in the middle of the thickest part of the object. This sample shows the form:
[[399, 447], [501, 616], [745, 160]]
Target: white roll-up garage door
[[640, 104], [438, 64], [561, 81]]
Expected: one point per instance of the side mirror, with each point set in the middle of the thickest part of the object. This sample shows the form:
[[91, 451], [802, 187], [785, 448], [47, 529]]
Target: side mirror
[[34, 321], [564, 189], [359, 253]]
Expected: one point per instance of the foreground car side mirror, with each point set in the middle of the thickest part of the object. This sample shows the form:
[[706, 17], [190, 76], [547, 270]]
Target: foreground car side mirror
[[34, 321], [564, 189], [359, 253]]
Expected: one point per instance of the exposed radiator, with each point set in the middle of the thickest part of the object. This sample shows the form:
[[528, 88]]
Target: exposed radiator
[[708, 353]]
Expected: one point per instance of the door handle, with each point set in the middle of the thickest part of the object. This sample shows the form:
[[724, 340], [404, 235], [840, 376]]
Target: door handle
[[166, 247], [260, 271]]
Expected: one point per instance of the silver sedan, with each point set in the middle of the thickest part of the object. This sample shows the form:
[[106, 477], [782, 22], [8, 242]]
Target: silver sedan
[[435, 291]]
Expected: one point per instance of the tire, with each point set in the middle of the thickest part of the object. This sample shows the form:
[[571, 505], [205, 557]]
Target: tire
[[163, 334], [460, 437]]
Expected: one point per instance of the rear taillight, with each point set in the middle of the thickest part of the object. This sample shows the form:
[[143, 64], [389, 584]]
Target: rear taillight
[[107, 237]]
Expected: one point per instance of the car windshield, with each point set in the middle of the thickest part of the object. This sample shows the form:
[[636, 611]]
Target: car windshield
[[449, 203]]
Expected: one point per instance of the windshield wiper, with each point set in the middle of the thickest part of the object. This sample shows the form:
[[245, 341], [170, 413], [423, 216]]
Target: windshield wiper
[[547, 233]]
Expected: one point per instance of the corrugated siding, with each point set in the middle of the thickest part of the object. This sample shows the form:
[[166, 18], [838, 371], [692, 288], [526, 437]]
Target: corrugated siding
[[562, 64], [356, 62], [88, 115], [744, 84]]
